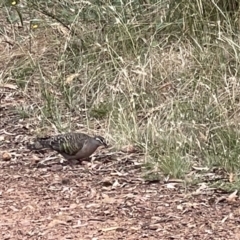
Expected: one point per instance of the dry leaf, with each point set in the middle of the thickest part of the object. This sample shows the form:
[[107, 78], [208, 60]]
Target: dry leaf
[[237, 234], [171, 185], [71, 77], [8, 85], [140, 72], [107, 181], [200, 168], [129, 149], [224, 219], [64, 217], [34, 159], [73, 205], [116, 184], [109, 229], [231, 177], [92, 205], [108, 199], [26, 222], [56, 168], [56, 222], [13, 208], [232, 197], [180, 207]]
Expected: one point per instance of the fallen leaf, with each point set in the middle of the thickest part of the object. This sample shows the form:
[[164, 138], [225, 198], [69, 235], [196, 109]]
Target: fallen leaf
[[13, 208], [237, 234], [224, 219], [231, 177], [56, 222], [171, 185], [108, 199], [116, 184], [64, 217], [25, 222], [129, 149], [34, 159], [232, 197], [180, 207], [109, 229], [200, 168], [56, 168], [140, 72], [73, 205], [8, 85], [107, 181], [71, 77], [153, 227], [92, 205]]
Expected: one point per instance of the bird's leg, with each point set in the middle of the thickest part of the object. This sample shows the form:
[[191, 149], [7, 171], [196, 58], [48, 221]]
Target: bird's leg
[[84, 159], [73, 162]]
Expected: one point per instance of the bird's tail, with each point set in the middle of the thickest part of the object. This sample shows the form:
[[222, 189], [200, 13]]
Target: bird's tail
[[38, 144]]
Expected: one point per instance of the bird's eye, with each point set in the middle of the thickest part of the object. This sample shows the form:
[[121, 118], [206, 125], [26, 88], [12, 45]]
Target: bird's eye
[[101, 140]]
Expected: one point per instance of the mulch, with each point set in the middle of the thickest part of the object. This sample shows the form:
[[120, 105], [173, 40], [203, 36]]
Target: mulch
[[107, 198]]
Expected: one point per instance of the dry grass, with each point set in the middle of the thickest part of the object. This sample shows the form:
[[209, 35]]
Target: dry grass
[[138, 74]]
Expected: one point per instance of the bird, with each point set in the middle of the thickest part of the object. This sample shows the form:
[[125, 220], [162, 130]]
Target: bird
[[72, 145]]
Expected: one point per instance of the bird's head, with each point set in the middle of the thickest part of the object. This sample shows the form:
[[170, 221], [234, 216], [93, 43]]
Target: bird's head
[[101, 141]]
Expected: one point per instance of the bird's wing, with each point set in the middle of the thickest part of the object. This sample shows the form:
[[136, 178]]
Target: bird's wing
[[69, 143]]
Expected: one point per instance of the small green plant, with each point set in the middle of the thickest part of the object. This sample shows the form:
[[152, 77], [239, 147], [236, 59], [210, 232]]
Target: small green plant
[[101, 111], [23, 113]]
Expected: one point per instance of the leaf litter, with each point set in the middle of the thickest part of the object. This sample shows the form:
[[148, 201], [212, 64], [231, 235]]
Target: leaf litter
[[102, 199]]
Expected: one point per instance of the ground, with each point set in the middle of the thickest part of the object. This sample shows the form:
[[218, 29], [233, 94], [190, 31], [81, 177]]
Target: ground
[[107, 198]]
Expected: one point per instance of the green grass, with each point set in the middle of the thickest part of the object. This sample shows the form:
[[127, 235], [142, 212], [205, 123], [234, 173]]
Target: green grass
[[162, 75]]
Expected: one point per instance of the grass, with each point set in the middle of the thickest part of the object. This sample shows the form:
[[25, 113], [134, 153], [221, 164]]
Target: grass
[[162, 75]]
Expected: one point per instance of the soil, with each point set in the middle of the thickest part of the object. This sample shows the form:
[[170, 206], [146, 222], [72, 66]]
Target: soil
[[42, 197]]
